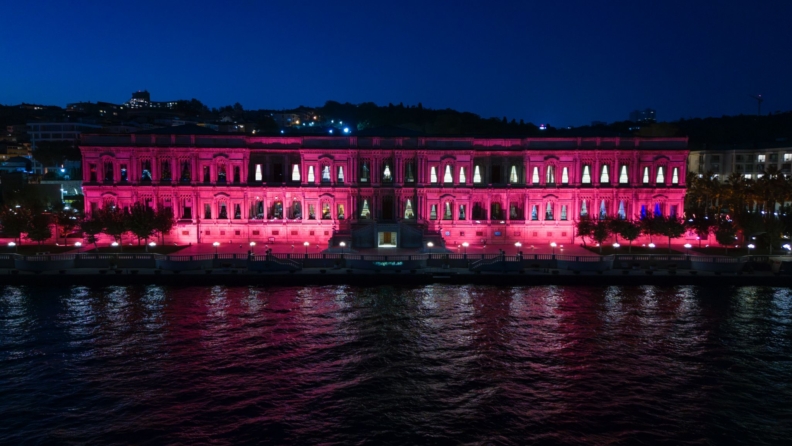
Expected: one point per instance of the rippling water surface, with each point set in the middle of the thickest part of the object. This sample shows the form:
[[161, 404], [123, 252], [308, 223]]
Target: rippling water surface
[[430, 365]]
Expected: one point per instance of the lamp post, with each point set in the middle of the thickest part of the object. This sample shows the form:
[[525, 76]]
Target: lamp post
[[750, 247], [342, 245], [518, 245], [553, 245], [77, 244], [252, 247], [114, 244], [306, 244], [465, 245], [12, 245], [429, 245], [687, 248], [216, 245], [616, 246], [651, 245], [150, 245]]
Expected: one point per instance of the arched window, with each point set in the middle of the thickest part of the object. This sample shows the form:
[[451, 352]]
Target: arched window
[[675, 176], [325, 174], [311, 177], [340, 211], [645, 179], [326, 211], [549, 211], [583, 209], [604, 174], [660, 175], [365, 213], [259, 176], [586, 178], [513, 175], [462, 177], [447, 177], [563, 212], [565, 176], [603, 213], [623, 179], [433, 212], [386, 173], [433, 175], [476, 175], [295, 172], [550, 175], [534, 212], [447, 213], [535, 175], [340, 174], [622, 213]]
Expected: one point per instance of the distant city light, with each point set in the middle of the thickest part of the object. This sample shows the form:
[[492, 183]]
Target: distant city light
[[542, 126], [346, 129], [331, 131]]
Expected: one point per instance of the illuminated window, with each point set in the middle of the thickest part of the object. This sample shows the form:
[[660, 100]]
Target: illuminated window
[[623, 179], [433, 175], [340, 174], [447, 213], [586, 178], [340, 211], [604, 175], [408, 210], [563, 212], [462, 212], [433, 212], [476, 174], [534, 212], [447, 177], [295, 171], [622, 213], [675, 176], [660, 175], [565, 176], [583, 209], [311, 177], [550, 175], [513, 174], [386, 173], [787, 157], [462, 177], [549, 211], [365, 213], [259, 177], [646, 175], [535, 175], [760, 158], [603, 214], [325, 174]]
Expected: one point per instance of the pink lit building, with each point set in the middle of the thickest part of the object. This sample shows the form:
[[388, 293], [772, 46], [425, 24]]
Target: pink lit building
[[383, 191]]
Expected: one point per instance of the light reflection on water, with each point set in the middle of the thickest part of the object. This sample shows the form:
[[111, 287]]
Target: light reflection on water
[[443, 364]]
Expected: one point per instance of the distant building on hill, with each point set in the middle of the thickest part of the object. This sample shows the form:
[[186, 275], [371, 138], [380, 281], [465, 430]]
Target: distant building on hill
[[647, 115]]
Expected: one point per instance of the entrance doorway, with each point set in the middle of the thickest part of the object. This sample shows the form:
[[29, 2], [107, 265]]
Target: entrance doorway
[[386, 240]]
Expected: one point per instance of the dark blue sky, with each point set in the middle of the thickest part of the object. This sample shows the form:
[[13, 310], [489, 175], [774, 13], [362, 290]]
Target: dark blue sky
[[563, 62]]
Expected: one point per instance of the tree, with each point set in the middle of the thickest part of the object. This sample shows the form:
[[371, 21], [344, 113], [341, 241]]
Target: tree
[[725, 233], [164, 222], [91, 227], [630, 231], [39, 229], [600, 233], [701, 225], [15, 221], [114, 221], [584, 228], [672, 227], [652, 225], [141, 221], [65, 222]]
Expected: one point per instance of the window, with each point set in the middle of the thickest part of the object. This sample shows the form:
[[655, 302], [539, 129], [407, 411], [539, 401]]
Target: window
[[604, 174], [462, 212], [326, 211], [675, 176], [673, 211], [187, 209], [462, 177], [787, 157], [207, 174], [325, 174], [623, 179], [760, 158], [645, 179], [660, 175], [534, 212], [311, 176], [260, 177], [433, 212], [145, 169], [409, 172], [221, 174], [207, 211], [447, 212], [108, 171], [476, 174], [340, 174], [237, 174], [513, 175], [715, 158], [563, 212], [311, 212], [237, 212], [565, 175], [408, 210], [386, 173], [535, 175], [549, 211], [340, 211], [295, 172], [586, 178], [364, 172], [583, 209], [738, 158], [447, 177], [256, 232], [222, 212], [603, 213], [622, 214], [550, 175], [433, 175], [92, 175], [365, 213]]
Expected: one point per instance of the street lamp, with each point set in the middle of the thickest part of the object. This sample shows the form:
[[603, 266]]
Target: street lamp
[[616, 245], [342, 245], [77, 244], [750, 247], [788, 247], [216, 245], [252, 247], [651, 245], [429, 245], [150, 245], [687, 248], [518, 245], [465, 245], [306, 244], [12, 245], [553, 245]]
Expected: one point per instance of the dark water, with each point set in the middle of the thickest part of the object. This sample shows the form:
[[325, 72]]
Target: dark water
[[432, 365]]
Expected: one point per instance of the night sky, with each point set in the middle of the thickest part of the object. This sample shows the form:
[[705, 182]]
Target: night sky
[[563, 63]]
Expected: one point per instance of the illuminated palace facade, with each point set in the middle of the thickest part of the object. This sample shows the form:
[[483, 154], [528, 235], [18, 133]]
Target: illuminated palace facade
[[383, 191]]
